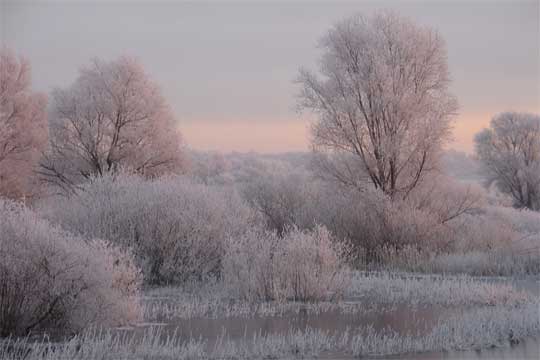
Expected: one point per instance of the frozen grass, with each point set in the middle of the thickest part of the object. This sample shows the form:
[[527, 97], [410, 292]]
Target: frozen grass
[[309, 343], [155, 344], [212, 301], [106, 345], [476, 329], [519, 259], [367, 292], [472, 329], [495, 263], [190, 309], [393, 288]]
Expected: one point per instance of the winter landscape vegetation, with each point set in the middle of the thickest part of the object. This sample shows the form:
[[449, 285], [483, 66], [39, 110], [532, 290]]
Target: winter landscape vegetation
[[120, 241]]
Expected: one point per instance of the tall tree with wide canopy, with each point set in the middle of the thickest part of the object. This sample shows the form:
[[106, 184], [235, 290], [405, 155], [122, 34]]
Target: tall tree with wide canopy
[[382, 100], [23, 126], [112, 117]]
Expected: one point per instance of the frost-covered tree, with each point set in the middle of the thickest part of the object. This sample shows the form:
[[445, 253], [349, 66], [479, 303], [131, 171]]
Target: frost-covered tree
[[510, 152], [112, 117], [382, 101], [23, 126]]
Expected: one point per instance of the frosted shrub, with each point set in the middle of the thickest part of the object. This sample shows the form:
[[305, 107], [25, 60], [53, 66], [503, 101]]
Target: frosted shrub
[[248, 266], [282, 196], [208, 167], [311, 265], [522, 220], [490, 240], [482, 233], [495, 241], [176, 227], [50, 279], [373, 223], [299, 266], [398, 224], [369, 220], [446, 198], [464, 234], [423, 221]]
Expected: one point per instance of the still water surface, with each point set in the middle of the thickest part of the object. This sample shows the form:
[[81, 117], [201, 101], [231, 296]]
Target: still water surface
[[401, 318]]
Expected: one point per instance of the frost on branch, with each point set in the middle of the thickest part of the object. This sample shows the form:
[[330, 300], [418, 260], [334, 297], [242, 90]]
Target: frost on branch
[[23, 128], [52, 280], [112, 117], [382, 102], [299, 266], [175, 227], [510, 152]]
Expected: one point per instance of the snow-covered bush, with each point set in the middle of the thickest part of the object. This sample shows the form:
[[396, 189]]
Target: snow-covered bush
[[299, 266], [439, 217], [492, 241], [495, 241], [373, 222], [446, 198], [176, 228], [523, 220], [481, 232], [208, 167], [52, 280], [282, 196], [369, 219]]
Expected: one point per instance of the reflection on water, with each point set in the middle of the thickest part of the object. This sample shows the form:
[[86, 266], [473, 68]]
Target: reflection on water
[[527, 349], [400, 318]]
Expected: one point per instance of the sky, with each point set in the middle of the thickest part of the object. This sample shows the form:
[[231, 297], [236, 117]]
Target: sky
[[228, 68]]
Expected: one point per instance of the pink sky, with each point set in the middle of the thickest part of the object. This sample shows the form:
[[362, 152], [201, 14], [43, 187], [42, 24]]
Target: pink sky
[[281, 135]]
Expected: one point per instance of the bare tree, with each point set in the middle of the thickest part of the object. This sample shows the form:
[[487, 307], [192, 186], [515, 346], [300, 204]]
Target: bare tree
[[23, 128], [510, 153], [382, 102], [113, 116]]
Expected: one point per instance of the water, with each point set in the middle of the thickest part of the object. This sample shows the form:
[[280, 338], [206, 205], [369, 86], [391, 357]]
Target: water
[[400, 318], [526, 349], [403, 319]]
